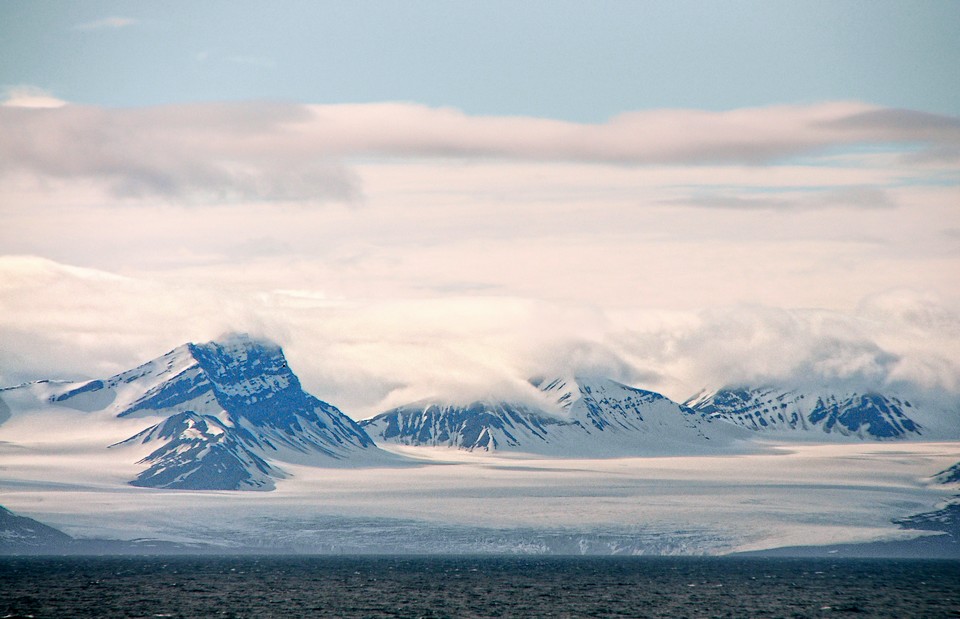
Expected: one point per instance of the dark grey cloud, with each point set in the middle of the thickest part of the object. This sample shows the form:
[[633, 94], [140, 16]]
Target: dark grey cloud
[[936, 135], [952, 233], [208, 153], [856, 197], [901, 124]]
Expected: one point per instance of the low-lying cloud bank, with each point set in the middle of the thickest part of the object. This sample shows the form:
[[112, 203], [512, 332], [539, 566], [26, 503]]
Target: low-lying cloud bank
[[222, 152], [366, 357]]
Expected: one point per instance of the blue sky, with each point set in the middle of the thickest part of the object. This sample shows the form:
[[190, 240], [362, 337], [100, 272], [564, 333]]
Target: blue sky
[[445, 198], [582, 61]]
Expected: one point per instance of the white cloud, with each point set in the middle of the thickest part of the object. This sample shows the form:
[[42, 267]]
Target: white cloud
[[762, 345], [365, 356], [113, 22], [30, 97], [80, 321], [752, 136]]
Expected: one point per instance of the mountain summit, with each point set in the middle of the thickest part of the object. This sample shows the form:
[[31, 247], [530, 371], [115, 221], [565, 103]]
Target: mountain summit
[[228, 408]]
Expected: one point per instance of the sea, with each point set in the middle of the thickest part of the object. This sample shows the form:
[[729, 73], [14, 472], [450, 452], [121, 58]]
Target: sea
[[404, 586]]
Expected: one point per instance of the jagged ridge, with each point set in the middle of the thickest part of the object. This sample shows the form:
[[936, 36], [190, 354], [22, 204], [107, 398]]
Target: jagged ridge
[[479, 425], [230, 407], [20, 532], [837, 414], [199, 452], [579, 417]]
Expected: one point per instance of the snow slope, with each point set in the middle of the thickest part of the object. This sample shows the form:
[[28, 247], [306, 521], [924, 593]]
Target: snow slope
[[200, 452], [831, 413], [20, 533], [479, 425], [581, 417], [217, 414]]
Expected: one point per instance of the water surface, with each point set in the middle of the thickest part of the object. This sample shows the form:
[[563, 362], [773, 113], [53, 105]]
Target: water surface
[[294, 587]]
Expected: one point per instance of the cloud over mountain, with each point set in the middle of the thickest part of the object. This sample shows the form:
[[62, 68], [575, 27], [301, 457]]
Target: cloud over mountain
[[370, 355]]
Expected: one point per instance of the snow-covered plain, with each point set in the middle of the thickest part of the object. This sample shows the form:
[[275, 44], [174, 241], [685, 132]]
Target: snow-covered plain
[[450, 500]]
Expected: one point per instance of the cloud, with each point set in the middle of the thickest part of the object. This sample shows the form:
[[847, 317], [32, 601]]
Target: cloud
[[30, 97], [752, 136], [287, 152], [59, 321], [65, 321], [212, 153], [107, 23], [897, 339], [855, 197], [896, 125]]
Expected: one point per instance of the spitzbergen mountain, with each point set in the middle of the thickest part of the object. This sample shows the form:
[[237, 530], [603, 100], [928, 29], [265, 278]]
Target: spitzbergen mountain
[[19, 533], [480, 425], [580, 417], [829, 413], [226, 415], [221, 413]]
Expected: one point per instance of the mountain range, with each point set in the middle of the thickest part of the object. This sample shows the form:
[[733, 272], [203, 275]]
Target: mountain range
[[577, 417], [228, 415]]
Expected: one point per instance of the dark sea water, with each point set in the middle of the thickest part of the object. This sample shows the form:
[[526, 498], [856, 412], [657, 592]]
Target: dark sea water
[[292, 587]]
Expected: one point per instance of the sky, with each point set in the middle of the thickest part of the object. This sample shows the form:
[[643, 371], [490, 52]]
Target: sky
[[442, 199]]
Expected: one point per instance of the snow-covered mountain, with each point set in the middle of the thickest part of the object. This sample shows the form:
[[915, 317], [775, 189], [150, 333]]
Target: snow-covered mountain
[[200, 452], [828, 413], [228, 414], [949, 475], [19, 533], [479, 425], [219, 414], [580, 417]]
